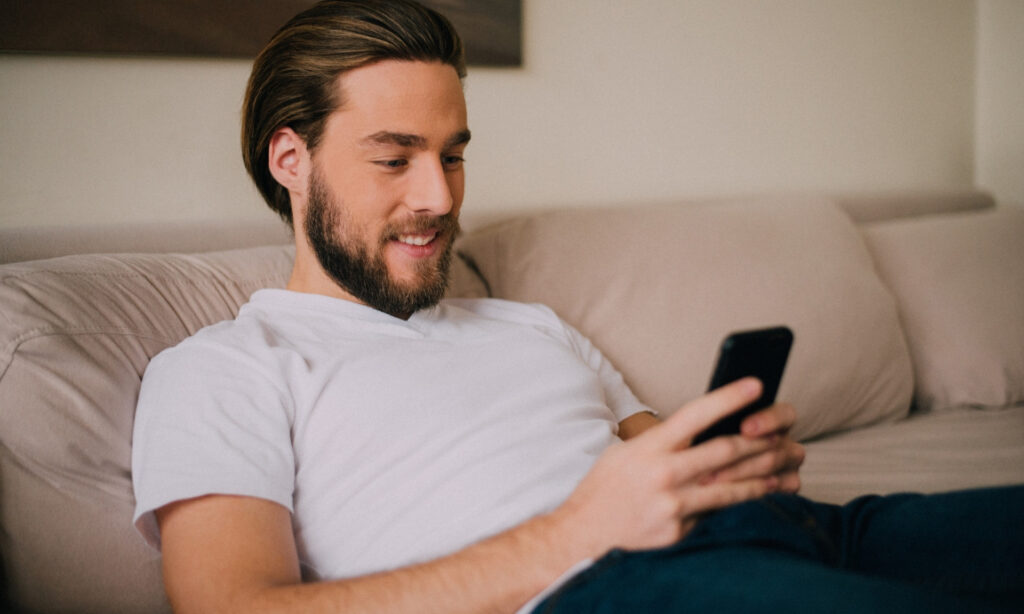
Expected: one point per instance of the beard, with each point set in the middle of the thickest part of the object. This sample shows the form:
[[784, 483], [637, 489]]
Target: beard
[[363, 272]]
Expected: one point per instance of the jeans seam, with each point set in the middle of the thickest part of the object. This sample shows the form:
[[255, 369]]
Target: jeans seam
[[828, 551]]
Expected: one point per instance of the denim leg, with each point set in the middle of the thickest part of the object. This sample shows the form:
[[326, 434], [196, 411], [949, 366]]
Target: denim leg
[[785, 553], [745, 580], [969, 541]]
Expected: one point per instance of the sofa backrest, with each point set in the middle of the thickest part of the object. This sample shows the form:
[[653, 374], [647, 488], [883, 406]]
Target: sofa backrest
[[77, 334], [36, 243], [657, 289], [959, 284]]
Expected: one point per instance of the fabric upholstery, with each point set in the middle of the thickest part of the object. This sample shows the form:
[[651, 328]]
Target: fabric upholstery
[[882, 206], [77, 334], [34, 243], [959, 281], [929, 452], [658, 288], [41, 242]]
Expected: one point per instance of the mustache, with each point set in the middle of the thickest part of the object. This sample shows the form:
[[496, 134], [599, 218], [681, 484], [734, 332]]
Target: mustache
[[447, 224]]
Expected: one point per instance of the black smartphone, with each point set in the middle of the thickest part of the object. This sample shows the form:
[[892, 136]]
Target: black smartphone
[[761, 353]]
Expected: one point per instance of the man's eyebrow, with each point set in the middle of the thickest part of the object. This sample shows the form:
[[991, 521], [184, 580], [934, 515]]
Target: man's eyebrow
[[459, 138], [396, 138], [413, 141]]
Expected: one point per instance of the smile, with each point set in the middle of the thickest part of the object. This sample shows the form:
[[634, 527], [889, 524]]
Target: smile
[[417, 239]]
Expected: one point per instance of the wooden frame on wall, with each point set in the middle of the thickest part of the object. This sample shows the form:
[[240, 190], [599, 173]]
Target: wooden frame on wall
[[491, 29]]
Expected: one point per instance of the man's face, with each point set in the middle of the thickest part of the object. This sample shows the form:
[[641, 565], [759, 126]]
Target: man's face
[[387, 184], [361, 269]]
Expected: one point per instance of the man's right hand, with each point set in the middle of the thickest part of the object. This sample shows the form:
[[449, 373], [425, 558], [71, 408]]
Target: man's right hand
[[649, 491]]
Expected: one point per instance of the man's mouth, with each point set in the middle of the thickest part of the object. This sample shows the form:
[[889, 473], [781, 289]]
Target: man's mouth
[[417, 239], [423, 237]]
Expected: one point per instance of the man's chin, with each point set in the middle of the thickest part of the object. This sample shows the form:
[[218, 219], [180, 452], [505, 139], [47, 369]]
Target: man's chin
[[414, 290], [391, 282], [414, 275], [430, 287]]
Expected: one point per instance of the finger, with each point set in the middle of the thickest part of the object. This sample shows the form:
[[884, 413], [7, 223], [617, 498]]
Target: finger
[[681, 427], [778, 418], [707, 459], [783, 458], [789, 482], [717, 496]]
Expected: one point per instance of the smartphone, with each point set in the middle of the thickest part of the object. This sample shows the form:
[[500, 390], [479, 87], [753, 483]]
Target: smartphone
[[761, 353]]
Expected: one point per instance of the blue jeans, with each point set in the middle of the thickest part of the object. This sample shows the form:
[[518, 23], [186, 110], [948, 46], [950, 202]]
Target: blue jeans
[[959, 552]]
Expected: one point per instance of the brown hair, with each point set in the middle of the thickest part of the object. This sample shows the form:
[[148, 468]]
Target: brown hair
[[294, 79]]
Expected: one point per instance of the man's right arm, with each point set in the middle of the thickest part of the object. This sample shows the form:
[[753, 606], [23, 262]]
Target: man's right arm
[[228, 554], [237, 554]]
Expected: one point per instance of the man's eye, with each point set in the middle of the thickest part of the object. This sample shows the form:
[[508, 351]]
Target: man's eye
[[452, 161], [397, 163]]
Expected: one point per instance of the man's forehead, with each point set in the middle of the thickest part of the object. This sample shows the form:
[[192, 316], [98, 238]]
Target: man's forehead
[[398, 82], [405, 103]]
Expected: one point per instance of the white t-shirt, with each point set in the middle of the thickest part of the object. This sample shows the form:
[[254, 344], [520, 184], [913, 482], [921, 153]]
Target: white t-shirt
[[390, 441]]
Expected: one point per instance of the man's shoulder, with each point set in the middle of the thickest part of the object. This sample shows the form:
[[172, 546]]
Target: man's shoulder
[[234, 341]]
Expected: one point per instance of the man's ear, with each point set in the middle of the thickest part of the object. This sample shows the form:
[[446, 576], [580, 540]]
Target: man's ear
[[289, 161]]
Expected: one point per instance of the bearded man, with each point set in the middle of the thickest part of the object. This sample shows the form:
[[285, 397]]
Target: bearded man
[[353, 443]]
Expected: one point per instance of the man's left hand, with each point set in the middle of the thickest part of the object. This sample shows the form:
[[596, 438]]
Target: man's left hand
[[784, 458]]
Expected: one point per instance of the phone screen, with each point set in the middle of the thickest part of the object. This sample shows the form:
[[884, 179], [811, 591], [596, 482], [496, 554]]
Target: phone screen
[[761, 353]]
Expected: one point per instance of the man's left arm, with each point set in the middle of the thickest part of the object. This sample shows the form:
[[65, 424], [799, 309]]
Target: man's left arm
[[636, 424]]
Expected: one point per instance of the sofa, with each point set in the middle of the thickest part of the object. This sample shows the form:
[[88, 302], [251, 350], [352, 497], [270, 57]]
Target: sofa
[[907, 367]]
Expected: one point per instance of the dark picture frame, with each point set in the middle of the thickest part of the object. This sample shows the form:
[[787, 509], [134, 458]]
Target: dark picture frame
[[491, 29]]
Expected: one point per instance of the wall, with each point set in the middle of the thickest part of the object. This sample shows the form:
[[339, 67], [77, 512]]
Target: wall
[[999, 164], [617, 101]]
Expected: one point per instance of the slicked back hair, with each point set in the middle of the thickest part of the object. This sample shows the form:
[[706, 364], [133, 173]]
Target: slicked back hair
[[294, 80]]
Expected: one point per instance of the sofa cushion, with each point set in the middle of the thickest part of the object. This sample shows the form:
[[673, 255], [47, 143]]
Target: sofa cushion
[[657, 288], [76, 334], [928, 452], [959, 282]]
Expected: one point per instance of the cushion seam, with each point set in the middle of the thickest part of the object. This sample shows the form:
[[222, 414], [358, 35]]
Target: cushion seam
[[11, 348], [129, 275]]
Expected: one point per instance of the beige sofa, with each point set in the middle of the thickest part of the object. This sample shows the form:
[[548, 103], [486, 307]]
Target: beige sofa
[[908, 366]]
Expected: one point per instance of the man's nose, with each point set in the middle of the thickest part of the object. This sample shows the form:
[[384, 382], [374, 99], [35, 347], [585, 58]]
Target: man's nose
[[430, 192]]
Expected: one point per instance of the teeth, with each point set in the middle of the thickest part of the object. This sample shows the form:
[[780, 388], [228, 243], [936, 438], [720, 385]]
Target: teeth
[[415, 239]]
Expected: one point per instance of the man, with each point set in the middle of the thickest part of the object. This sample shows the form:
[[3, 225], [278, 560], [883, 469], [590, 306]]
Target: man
[[351, 444]]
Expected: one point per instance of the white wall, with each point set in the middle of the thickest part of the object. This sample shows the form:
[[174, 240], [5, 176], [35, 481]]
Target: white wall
[[719, 96], [648, 99], [999, 165], [98, 140]]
